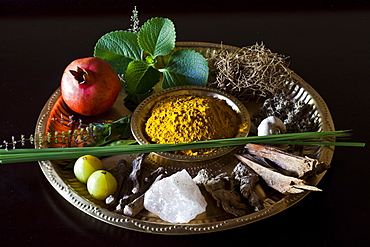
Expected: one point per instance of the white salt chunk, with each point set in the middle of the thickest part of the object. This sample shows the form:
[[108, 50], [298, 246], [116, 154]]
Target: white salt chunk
[[176, 199]]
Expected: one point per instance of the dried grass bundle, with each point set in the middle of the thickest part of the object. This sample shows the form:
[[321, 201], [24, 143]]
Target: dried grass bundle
[[250, 71]]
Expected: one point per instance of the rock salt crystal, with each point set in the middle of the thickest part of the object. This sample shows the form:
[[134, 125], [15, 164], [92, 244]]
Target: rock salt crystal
[[176, 199]]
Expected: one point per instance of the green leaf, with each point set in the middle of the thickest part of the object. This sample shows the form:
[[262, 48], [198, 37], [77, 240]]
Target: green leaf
[[141, 77], [108, 132], [131, 101], [161, 61], [185, 67], [157, 36], [118, 48]]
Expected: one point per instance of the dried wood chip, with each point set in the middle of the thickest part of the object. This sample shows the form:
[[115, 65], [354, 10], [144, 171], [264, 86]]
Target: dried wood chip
[[282, 183], [297, 165]]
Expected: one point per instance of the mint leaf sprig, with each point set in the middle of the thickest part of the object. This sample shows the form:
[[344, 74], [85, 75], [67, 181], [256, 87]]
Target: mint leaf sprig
[[149, 58]]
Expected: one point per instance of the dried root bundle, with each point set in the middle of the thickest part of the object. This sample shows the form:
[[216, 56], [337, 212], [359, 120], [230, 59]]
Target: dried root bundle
[[250, 71]]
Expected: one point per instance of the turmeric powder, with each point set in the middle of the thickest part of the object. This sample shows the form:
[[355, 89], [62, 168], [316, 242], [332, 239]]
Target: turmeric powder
[[187, 118]]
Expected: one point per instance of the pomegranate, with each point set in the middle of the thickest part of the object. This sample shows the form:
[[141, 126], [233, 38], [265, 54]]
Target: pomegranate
[[89, 86]]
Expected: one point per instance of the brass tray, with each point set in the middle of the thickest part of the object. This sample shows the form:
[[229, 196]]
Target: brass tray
[[214, 219]]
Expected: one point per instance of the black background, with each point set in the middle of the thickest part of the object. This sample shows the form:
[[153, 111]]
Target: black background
[[328, 44]]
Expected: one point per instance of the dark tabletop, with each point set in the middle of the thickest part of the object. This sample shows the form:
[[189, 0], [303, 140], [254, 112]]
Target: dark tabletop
[[328, 45]]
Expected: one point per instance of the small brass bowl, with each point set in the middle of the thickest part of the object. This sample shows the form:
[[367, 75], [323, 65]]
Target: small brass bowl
[[141, 115]]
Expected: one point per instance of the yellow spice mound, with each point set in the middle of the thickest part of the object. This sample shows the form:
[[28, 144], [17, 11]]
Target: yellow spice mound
[[186, 118]]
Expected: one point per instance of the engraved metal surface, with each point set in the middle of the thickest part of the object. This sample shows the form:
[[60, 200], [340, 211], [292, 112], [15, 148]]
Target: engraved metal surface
[[214, 219]]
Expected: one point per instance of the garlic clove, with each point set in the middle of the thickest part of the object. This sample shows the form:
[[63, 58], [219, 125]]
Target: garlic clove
[[271, 126]]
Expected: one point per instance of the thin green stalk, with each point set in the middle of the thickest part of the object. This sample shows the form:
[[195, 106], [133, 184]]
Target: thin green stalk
[[337, 144], [27, 155]]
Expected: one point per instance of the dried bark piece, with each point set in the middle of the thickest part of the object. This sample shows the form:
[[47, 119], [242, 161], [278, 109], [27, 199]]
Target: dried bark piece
[[221, 189], [231, 202], [297, 165], [248, 180], [282, 183]]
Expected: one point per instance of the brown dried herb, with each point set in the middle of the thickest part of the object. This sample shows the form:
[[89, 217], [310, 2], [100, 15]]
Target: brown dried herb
[[250, 71]]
